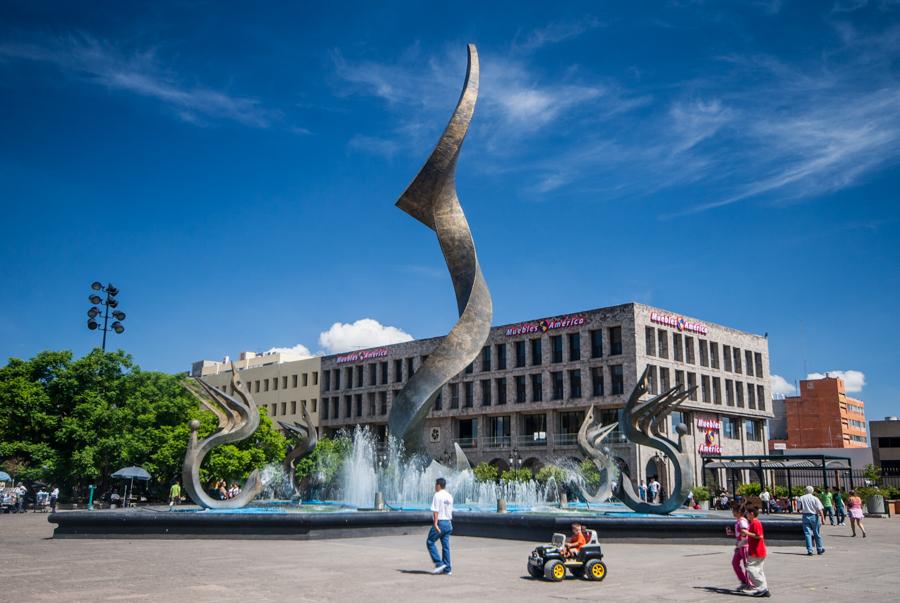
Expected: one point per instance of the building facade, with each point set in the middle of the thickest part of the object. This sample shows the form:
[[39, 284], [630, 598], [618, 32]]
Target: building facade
[[821, 416], [886, 445], [280, 384], [522, 401]]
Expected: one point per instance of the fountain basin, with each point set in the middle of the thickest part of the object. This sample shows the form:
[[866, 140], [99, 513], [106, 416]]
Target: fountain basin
[[527, 526]]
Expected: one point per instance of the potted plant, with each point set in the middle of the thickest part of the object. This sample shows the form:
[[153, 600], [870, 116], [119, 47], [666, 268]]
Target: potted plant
[[873, 498], [702, 496]]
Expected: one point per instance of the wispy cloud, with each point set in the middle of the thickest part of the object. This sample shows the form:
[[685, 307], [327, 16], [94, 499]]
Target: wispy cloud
[[554, 33], [139, 73]]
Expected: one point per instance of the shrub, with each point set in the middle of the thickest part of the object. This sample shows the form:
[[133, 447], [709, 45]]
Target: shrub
[[517, 475], [591, 474], [485, 472], [700, 493], [780, 491], [751, 489], [557, 473]]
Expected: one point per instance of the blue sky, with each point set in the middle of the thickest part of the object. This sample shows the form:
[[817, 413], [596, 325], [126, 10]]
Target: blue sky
[[233, 170]]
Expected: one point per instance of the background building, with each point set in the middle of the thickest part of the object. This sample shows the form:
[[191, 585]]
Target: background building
[[886, 445], [822, 416], [522, 401], [282, 384]]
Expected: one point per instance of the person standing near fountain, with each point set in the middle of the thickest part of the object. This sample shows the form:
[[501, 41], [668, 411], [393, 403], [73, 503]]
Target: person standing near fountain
[[442, 518]]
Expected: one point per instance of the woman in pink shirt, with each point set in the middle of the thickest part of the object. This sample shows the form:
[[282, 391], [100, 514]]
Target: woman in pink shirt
[[741, 548]]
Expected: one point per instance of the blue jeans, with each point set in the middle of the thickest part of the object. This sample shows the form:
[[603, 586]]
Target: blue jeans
[[841, 515], [829, 514], [811, 528], [444, 536]]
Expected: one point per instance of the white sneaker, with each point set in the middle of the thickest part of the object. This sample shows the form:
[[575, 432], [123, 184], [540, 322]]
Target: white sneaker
[[439, 569], [448, 573]]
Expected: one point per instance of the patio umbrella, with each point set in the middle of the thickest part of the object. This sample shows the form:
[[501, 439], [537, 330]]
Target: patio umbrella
[[131, 473], [4, 477]]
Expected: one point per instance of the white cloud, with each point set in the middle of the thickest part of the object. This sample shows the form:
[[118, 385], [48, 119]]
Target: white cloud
[[364, 333], [299, 351], [139, 73], [781, 386], [556, 32], [854, 381]]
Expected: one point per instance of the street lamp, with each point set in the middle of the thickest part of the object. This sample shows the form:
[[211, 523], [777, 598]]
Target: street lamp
[[109, 303], [515, 461]]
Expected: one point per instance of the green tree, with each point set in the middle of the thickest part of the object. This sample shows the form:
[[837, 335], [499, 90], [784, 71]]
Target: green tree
[[591, 474], [558, 474], [326, 459], [517, 475], [485, 472]]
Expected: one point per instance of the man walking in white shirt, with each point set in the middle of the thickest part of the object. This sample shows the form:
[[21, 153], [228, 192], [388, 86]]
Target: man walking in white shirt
[[442, 517], [813, 515]]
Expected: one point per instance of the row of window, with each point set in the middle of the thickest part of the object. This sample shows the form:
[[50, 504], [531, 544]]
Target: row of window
[[856, 408], [656, 343], [753, 428], [299, 380], [527, 352], [857, 424], [284, 406], [710, 390]]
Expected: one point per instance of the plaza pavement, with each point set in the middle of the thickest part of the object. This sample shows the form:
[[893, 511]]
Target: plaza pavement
[[33, 567]]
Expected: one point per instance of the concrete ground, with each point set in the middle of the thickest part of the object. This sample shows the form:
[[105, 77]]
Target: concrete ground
[[33, 567]]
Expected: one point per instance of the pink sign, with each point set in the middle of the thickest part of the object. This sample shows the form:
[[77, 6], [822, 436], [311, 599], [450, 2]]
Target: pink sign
[[547, 324], [362, 355], [678, 323]]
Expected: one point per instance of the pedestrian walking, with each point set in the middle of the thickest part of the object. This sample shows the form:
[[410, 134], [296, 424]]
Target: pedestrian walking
[[756, 549], [642, 490], [174, 494], [741, 551], [22, 493], [856, 513], [653, 490], [828, 505], [54, 496], [811, 509], [766, 499], [442, 518], [839, 506]]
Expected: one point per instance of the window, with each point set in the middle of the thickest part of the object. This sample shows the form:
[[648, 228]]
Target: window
[[470, 368], [889, 442], [704, 388], [569, 423], [360, 372], [615, 341], [499, 431], [856, 424], [284, 408], [536, 354], [757, 360], [689, 350], [468, 432], [275, 383], [574, 347], [327, 383], [370, 398], [469, 387], [692, 383], [729, 392], [454, 395], [748, 361], [677, 348], [410, 368], [681, 418], [679, 377], [398, 370], [265, 385], [663, 339], [537, 388], [325, 409], [556, 383], [737, 360], [597, 344], [520, 389], [534, 427], [348, 377], [717, 390], [704, 352], [752, 430], [373, 373], [294, 381], [315, 377], [501, 356], [739, 393], [597, 381], [284, 382], [751, 396], [274, 408], [618, 379], [486, 359], [294, 406], [485, 392], [335, 407], [384, 373], [556, 352], [574, 384], [382, 402], [761, 397], [348, 406], [663, 379], [729, 428], [520, 354], [713, 354], [358, 400], [501, 390], [652, 380], [315, 404], [726, 355], [650, 341]]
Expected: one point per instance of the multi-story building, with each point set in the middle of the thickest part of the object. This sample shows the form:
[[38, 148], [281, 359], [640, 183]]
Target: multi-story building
[[524, 398], [886, 445], [280, 383], [822, 416]]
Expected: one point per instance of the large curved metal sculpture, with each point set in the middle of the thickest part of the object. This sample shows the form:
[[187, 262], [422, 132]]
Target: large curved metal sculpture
[[238, 419], [431, 199], [306, 437], [645, 425], [591, 436]]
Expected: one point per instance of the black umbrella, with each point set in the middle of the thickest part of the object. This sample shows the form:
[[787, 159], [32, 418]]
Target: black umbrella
[[131, 473]]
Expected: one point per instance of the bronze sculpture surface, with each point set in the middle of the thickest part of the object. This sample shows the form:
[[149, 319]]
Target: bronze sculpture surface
[[590, 441]]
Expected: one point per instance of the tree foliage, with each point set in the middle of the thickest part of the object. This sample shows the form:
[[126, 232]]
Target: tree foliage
[[517, 475], [74, 422], [485, 472]]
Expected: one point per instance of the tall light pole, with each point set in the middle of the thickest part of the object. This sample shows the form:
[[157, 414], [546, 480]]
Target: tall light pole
[[109, 303]]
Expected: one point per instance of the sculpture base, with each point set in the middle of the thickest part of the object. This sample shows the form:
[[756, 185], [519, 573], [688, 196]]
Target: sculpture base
[[531, 527]]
